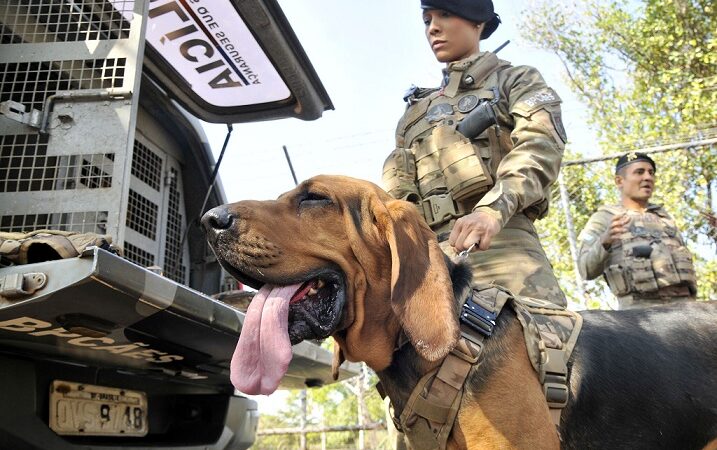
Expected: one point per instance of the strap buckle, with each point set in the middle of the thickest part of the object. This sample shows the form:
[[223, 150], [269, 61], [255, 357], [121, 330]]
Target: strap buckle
[[438, 209], [478, 318], [556, 390], [555, 385]]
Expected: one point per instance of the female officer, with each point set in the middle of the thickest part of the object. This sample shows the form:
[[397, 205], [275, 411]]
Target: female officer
[[478, 154]]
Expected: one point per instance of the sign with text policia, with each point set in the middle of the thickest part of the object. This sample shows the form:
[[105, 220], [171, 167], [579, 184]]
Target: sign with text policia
[[210, 46]]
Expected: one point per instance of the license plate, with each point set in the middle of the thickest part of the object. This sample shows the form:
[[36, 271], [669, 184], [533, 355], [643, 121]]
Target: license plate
[[79, 409]]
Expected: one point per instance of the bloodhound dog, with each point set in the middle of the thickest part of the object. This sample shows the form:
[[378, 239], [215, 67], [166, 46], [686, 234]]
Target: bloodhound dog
[[338, 257]]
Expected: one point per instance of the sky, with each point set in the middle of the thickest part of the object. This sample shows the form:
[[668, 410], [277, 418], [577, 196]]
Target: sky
[[367, 54]]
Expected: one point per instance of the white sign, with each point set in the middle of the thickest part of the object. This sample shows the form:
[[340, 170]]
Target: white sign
[[208, 43]]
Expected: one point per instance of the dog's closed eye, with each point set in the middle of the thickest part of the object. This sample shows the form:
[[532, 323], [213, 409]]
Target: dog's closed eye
[[314, 200]]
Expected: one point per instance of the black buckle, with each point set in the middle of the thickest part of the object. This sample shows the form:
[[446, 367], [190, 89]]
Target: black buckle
[[478, 318], [556, 390]]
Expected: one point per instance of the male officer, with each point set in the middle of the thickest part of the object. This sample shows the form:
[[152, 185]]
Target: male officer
[[635, 245], [479, 153]]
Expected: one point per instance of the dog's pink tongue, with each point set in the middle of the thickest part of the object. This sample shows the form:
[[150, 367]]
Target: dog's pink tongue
[[263, 352]]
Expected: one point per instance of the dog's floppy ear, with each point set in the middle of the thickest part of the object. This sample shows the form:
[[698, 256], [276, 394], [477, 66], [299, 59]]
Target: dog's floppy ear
[[337, 360], [421, 289]]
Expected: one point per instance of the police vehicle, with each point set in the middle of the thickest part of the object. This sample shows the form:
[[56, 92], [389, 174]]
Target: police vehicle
[[100, 102]]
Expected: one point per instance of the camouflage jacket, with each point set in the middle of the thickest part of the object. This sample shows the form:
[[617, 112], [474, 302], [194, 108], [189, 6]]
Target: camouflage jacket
[[521, 152]]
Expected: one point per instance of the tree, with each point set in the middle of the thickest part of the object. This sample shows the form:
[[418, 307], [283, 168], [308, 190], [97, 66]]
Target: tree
[[647, 70]]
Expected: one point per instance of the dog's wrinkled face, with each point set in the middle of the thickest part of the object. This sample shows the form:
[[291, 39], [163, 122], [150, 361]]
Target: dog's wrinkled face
[[295, 240], [351, 261]]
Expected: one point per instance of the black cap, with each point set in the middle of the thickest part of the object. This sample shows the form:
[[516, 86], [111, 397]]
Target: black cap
[[478, 11], [632, 157]]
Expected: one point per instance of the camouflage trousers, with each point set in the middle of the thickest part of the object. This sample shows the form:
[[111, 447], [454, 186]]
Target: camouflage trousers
[[515, 260]]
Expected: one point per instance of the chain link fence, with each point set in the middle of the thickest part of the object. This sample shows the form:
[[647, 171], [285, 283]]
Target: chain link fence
[[686, 185]]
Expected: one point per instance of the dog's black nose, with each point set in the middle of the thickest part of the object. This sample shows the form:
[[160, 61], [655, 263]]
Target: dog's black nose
[[217, 218]]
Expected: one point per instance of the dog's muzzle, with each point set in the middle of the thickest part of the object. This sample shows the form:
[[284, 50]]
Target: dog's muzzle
[[215, 221]]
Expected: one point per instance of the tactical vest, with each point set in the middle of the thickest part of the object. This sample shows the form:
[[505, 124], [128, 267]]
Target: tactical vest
[[436, 166], [649, 256]]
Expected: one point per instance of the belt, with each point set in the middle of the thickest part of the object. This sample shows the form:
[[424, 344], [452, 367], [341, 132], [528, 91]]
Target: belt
[[665, 293]]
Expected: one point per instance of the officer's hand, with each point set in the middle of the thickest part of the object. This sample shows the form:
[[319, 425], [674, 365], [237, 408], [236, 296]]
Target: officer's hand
[[475, 228], [618, 225]]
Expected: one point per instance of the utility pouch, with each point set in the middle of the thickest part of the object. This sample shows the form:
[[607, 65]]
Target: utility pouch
[[663, 267], [616, 280], [428, 172], [399, 175], [464, 171], [643, 277], [682, 259]]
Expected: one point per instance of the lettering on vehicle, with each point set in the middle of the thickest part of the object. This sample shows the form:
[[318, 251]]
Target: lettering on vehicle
[[135, 350], [212, 48]]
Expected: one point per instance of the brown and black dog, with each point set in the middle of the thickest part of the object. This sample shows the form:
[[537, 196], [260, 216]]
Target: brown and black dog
[[338, 257]]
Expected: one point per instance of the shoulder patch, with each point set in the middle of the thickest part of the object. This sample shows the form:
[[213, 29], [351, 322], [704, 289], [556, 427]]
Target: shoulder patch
[[556, 117], [533, 101]]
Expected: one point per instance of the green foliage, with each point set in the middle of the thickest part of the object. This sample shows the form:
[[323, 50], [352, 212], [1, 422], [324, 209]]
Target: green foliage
[[647, 71]]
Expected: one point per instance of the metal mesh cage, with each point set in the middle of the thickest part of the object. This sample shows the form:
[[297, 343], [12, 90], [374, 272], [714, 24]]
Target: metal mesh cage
[[26, 166], [138, 256], [83, 222], [173, 266], [131, 185], [31, 83], [142, 215], [66, 20]]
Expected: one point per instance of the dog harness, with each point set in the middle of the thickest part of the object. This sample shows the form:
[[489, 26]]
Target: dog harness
[[550, 335]]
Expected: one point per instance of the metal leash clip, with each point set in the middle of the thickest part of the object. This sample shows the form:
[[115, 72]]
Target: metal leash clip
[[465, 252]]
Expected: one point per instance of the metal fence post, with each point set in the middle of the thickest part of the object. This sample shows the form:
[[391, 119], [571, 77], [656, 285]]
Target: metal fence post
[[572, 240], [304, 413]]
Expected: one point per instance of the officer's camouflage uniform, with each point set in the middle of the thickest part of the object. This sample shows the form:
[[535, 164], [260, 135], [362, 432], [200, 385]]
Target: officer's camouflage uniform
[[648, 265], [506, 171]]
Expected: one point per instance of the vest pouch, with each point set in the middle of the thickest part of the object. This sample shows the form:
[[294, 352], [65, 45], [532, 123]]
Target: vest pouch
[[428, 172], [663, 267], [464, 171], [682, 259], [399, 175], [643, 278], [615, 276]]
